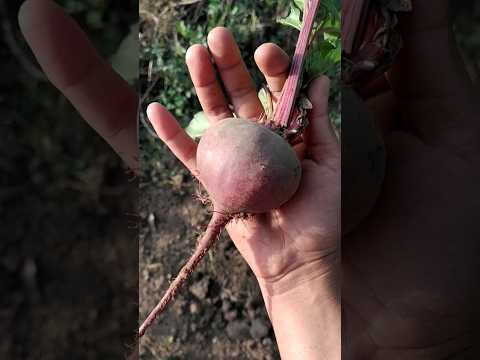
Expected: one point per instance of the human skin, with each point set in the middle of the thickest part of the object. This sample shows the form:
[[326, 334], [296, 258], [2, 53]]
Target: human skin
[[409, 269], [72, 64], [293, 251]]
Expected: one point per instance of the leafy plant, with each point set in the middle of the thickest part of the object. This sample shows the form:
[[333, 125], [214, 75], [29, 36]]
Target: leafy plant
[[324, 56]]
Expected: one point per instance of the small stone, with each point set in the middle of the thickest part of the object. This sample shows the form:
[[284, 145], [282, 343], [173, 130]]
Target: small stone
[[184, 334], [216, 300], [200, 288], [230, 315], [177, 181], [199, 337], [235, 353], [258, 329], [151, 222], [237, 330], [267, 341], [178, 306], [249, 304], [146, 274], [251, 313], [158, 282], [207, 315], [194, 308], [251, 344], [226, 305]]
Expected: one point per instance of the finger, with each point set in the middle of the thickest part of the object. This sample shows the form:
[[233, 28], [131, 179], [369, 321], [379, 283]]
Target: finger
[[71, 63], [319, 135], [172, 134], [432, 84], [273, 62], [384, 108], [234, 74], [207, 87]]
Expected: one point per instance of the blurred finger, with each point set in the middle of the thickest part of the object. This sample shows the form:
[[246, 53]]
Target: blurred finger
[[172, 134], [72, 64], [234, 74], [273, 62], [319, 135], [207, 87], [430, 80], [384, 108]]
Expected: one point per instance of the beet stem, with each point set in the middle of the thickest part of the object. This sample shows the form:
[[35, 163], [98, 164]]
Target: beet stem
[[352, 14], [287, 101], [215, 226]]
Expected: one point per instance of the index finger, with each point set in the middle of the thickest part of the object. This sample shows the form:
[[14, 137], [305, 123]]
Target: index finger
[[72, 64]]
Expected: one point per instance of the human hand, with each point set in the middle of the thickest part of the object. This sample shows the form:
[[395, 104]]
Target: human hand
[[408, 270], [293, 250], [299, 241], [72, 64]]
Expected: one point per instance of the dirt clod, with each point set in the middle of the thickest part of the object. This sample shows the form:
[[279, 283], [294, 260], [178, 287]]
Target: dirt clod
[[200, 288], [231, 315], [238, 330], [258, 329], [194, 308]]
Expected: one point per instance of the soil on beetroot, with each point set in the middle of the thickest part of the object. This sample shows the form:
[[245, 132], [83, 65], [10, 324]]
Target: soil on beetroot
[[220, 313]]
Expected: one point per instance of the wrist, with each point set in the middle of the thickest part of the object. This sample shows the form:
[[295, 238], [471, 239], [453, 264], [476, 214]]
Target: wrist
[[304, 308], [304, 275]]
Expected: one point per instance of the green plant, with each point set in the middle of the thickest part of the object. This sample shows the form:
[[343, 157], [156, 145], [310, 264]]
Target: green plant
[[167, 30], [324, 56]]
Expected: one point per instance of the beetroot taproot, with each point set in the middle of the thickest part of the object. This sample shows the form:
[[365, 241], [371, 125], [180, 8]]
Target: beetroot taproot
[[246, 168]]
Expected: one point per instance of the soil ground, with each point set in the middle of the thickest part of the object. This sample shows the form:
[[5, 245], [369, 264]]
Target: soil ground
[[220, 313], [68, 259]]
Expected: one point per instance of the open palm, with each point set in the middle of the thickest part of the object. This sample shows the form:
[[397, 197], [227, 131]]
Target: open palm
[[283, 243], [408, 270]]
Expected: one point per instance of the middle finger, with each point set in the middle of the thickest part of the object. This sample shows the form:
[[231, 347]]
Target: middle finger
[[234, 74], [273, 62]]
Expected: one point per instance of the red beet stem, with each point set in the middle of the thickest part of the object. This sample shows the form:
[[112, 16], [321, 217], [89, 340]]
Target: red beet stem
[[215, 226], [352, 15], [287, 101]]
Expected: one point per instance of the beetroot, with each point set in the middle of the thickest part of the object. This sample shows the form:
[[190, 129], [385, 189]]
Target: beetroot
[[246, 168]]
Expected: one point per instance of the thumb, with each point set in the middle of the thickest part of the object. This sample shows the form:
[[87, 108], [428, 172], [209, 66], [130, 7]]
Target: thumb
[[319, 136]]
